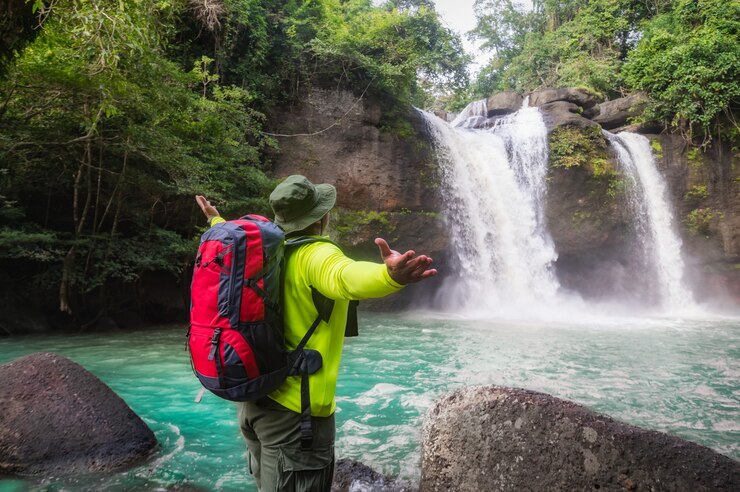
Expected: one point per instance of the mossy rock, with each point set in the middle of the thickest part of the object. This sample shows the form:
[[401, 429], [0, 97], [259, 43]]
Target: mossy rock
[[356, 230], [586, 190], [701, 221], [581, 147], [657, 148]]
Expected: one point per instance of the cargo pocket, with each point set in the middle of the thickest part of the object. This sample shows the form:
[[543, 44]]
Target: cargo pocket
[[310, 470]]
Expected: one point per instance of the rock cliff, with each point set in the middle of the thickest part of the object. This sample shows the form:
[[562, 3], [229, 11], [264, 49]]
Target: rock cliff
[[385, 173], [388, 185]]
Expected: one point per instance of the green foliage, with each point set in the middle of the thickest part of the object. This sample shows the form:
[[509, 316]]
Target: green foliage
[[688, 60], [348, 221], [699, 221], [392, 47], [657, 148], [17, 28], [119, 112], [616, 187], [685, 54], [105, 141], [347, 226], [580, 147], [557, 43], [696, 194], [695, 157], [23, 244], [398, 49]]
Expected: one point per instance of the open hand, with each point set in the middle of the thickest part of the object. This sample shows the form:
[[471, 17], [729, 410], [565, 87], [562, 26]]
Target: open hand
[[208, 210], [405, 268]]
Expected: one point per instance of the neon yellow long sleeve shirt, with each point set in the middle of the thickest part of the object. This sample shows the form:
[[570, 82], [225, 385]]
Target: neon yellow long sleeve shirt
[[328, 270], [323, 266]]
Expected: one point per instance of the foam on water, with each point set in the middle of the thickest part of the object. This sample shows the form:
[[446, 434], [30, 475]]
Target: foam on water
[[678, 376]]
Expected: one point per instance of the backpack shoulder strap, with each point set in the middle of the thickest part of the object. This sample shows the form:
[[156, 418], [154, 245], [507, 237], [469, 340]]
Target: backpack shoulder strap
[[300, 241]]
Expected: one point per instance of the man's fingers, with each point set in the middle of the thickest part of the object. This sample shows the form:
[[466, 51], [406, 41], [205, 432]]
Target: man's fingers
[[385, 250], [202, 202], [423, 265], [415, 263]]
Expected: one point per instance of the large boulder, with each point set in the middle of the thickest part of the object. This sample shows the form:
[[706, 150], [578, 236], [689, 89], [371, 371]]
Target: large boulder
[[579, 96], [564, 113], [504, 103], [615, 113], [56, 417], [492, 438], [351, 475]]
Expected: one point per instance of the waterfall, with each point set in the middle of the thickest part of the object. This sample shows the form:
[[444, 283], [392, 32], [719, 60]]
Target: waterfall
[[654, 219], [495, 191], [474, 113]]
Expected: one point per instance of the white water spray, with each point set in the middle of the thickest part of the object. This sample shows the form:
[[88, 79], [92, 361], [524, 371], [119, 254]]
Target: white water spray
[[475, 112], [496, 188], [654, 219]]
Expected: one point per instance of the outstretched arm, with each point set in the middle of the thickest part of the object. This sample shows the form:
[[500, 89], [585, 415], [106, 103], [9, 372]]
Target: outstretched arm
[[208, 210], [406, 268]]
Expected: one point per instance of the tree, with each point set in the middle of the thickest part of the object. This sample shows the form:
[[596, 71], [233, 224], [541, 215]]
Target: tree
[[117, 113], [104, 143], [688, 60], [558, 42]]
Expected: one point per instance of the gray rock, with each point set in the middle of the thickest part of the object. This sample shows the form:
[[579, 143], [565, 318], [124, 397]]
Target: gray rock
[[443, 115], [56, 417], [581, 97], [591, 112], [351, 475], [504, 103], [615, 113], [562, 113], [490, 438], [374, 170]]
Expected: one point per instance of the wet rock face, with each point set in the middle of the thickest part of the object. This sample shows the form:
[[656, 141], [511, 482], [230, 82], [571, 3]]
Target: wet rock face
[[56, 417], [387, 179], [504, 103], [615, 113], [563, 113], [581, 97], [492, 438], [371, 168]]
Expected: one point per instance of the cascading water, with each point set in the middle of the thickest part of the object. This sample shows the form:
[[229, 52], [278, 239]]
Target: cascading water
[[653, 219], [496, 184], [474, 113]]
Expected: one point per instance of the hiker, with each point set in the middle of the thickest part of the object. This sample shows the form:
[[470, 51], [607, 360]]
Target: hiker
[[272, 425]]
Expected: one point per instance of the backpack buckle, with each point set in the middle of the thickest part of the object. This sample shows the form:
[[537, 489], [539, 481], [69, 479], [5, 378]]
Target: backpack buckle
[[214, 343]]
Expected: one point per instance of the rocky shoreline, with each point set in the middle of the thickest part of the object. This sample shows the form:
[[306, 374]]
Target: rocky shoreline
[[57, 418]]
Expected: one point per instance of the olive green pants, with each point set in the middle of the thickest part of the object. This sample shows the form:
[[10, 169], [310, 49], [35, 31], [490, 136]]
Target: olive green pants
[[276, 459]]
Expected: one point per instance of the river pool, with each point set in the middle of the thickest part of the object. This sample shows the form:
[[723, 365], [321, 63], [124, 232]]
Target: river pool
[[677, 375]]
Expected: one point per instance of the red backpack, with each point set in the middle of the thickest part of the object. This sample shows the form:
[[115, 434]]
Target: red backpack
[[236, 339]]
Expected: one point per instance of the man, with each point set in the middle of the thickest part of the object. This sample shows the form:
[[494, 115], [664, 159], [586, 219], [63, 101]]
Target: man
[[271, 425]]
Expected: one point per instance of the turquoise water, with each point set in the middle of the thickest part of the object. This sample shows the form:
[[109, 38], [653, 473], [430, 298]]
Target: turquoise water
[[679, 376]]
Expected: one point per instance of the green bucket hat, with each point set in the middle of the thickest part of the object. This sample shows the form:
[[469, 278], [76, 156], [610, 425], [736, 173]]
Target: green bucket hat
[[298, 203]]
